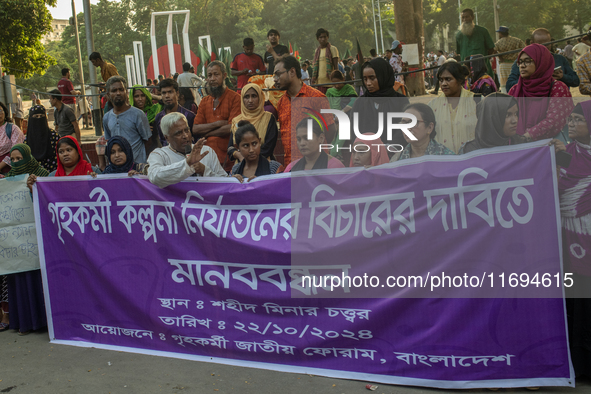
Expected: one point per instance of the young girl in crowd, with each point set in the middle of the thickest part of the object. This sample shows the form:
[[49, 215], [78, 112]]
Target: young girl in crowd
[[314, 158], [368, 154], [117, 158], [253, 164]]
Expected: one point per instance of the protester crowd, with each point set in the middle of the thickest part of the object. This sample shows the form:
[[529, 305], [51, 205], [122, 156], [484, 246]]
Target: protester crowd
[[188, 126]]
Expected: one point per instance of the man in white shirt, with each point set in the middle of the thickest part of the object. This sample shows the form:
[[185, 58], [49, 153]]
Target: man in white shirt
[[170, 165], [189, 80], [441, 58]]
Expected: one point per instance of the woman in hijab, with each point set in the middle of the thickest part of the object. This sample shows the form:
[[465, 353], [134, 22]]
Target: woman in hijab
[[69, 163], [10, 135], [41, 139], [482, 83], [455, 108], [377, 100], [118, 158], [141, 98], [498, 116], [367, 154], [543, 117], [254, 164], [25, 290], [425, 133], [574, 188], [252, 110]]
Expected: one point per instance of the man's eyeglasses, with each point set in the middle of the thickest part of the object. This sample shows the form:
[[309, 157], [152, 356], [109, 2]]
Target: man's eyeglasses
[[277, 74], [575, 120], [525, 62]]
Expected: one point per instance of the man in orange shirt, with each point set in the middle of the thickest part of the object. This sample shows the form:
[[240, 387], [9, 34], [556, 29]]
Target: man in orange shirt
[[215, 113], [287, 77]]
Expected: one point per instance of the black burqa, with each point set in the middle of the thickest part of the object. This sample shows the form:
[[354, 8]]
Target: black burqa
[[39, 134], [385, 100], [491, 113]]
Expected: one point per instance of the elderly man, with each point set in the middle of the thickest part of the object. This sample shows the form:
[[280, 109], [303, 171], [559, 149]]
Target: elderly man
[[565, 74], [473, 39], [181, 159], [215, 114]]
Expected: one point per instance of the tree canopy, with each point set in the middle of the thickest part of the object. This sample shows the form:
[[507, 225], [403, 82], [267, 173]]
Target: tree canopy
[[24, 23], [117, 23]]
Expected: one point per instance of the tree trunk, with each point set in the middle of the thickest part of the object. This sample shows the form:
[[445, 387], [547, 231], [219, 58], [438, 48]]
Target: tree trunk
[[408, 17]]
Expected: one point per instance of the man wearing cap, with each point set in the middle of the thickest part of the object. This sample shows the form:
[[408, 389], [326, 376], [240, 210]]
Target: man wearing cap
[[507, 43], [472, 39], [396, 60]]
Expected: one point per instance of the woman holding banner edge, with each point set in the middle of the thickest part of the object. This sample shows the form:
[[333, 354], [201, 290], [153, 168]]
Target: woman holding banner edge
[[25, 289]]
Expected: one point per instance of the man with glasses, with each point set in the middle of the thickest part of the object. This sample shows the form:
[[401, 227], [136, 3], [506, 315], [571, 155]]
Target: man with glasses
[[170, 165], [288, 77]]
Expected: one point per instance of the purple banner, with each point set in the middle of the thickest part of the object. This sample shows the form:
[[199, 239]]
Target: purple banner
[[213, 270]]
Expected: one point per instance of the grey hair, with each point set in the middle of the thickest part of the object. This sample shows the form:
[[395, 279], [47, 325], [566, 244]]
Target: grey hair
[[170, 119], [221, 65], [115, 79]]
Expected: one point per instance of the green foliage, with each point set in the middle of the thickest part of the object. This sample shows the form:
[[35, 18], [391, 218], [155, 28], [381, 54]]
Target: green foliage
[[24, 23]]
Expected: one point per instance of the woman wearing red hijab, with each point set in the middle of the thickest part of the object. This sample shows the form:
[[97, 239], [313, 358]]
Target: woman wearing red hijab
[[70, 161], [540, 118]]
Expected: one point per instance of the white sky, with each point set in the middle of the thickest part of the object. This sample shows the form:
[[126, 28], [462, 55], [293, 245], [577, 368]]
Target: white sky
[[64, 8]]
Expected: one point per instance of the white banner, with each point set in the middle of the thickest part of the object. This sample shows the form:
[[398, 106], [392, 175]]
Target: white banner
[[18, 237]]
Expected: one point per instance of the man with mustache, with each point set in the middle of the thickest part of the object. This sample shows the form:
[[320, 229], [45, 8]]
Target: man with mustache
[[214, 116], [125, 120], [473, 39], [169, 90]]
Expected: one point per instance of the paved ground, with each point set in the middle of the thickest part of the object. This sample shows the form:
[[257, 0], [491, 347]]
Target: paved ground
[[31, 365]]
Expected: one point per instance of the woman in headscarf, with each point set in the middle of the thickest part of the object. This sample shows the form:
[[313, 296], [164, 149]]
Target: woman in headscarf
[[498, 116], [10, 135], [366, 154], [254, 164], [41, 139], [543, 117], [25, 290], [313, 158], [341, 96], [425, 133], [118, 158], [482, 83], [69, 163], [141, 98], [252, 110], [455, 108], [574, 188], [379, 98]]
